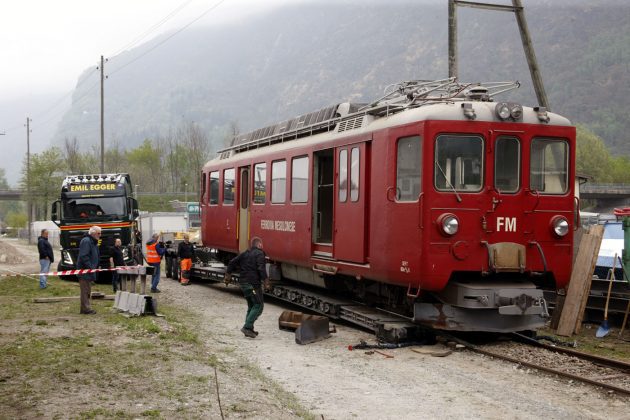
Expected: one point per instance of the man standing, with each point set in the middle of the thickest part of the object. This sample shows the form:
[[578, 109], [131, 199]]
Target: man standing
[[155, 250], [185, 251], [252, 276], [88, 259], [46, 257], [116, 260]]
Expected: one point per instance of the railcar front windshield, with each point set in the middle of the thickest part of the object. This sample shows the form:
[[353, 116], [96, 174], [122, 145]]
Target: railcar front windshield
[[549, 169], [93, 208], [458, 163], [507, 165]]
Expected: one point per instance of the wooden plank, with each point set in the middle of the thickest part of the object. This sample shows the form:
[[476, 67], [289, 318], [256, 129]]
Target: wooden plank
[[598, 235], [580, 283], [555, 318], [95, 295]]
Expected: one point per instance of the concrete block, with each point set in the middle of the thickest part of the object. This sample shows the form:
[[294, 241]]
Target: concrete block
[[134, 304], [123, 303]]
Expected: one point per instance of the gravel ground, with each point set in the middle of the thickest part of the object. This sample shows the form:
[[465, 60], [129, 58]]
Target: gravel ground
[[336, 383]]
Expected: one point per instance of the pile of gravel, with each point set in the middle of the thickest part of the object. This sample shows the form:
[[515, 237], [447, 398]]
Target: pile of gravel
[[10, 255]]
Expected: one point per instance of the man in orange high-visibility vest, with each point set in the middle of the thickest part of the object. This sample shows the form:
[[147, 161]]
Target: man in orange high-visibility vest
[[155, 250]]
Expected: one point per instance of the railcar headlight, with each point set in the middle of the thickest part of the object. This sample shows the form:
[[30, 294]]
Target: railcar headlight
[[448, 224], [502, 110], [560, 226], [516, 111]]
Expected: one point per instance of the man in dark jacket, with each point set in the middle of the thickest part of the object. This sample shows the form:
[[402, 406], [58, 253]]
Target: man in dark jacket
[[88, 259], [117, 259], [185, 252], [252, 276], [46, 257]]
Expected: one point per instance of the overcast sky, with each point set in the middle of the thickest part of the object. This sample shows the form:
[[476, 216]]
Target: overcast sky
[[46, 44]]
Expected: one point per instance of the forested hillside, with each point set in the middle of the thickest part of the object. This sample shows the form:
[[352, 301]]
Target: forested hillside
[[303, 57]]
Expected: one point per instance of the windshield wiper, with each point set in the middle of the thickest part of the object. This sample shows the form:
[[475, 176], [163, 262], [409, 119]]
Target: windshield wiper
[[459, 199]]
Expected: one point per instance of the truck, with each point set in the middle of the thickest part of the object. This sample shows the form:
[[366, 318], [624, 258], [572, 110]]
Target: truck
[[104, 200]]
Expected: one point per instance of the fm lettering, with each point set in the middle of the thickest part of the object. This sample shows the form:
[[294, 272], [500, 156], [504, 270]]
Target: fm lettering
[[506, 224]]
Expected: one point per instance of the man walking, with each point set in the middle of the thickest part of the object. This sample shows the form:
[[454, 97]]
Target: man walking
[[185, 251], [88, 259], [155, 250], [252, 276], [46, 257], [116, 260]]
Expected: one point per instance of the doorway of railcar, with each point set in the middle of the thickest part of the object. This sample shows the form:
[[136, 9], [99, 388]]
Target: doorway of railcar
[[323, 190], [350, 197], [243, 209]]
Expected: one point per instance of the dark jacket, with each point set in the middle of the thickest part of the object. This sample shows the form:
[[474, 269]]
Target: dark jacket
[[116, 253], [185, 250], [252, 265], [88, 256], [45, 249]]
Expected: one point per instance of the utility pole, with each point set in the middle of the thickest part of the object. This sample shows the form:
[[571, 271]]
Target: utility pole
[[29, 206], [541, 95], [452, 39], [517, 9], [102, 117]]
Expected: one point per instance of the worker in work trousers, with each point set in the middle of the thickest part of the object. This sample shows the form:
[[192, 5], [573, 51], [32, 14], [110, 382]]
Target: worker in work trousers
[[185, 251], [155, 250], [251, 280]]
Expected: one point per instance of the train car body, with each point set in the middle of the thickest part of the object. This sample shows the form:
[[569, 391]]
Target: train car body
[[434, 201]]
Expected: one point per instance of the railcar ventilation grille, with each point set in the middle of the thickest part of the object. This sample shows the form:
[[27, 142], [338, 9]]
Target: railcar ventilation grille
[[351, 124]]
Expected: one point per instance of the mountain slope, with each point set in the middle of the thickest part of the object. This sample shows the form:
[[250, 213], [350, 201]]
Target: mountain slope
[[297, 59]]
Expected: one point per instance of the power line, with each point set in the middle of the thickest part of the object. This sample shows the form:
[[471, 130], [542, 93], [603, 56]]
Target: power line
[[155, 26], [135, 41], [217, 4]]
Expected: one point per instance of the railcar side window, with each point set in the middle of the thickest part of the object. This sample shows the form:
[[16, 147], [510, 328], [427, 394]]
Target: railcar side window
[[260, 183], [343, 175], [299, 180], [228, 186], [458, 163], [408, 165], [202, 198], [279, 181], [354, 174], [507, 165], [549, 167], [214, 187]]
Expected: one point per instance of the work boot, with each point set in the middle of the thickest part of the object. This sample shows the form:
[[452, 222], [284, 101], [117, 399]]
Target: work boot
[[248, 333]]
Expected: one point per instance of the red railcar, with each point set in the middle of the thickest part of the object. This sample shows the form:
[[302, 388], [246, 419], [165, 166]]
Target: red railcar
[[434, 201]]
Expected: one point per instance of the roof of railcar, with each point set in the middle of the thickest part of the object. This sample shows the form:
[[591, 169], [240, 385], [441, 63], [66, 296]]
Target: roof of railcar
[[446, 111]]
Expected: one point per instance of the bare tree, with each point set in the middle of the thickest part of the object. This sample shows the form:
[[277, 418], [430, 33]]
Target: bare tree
[[197, 152], [72, 155]]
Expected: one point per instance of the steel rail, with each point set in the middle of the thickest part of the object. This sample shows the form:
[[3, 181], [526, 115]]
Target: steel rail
[[593, 382], [554, 371], [599, 360]]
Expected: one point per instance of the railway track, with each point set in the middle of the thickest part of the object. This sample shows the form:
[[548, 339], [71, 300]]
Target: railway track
[[609, 374]]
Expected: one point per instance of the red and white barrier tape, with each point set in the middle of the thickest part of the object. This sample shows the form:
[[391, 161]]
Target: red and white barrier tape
[[73, 272]]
